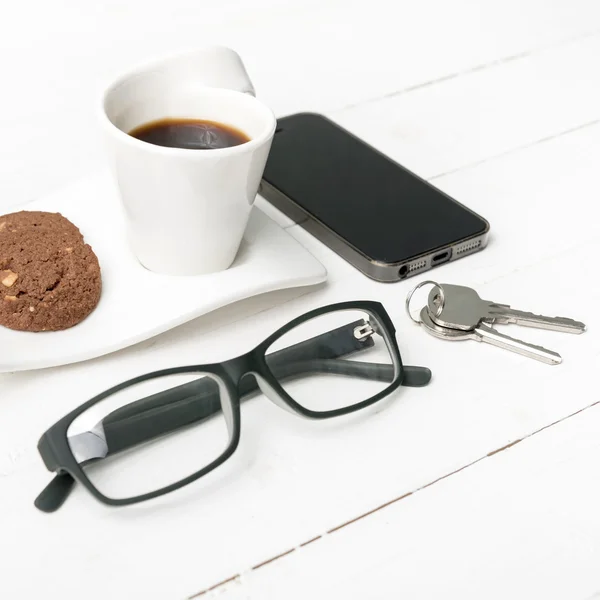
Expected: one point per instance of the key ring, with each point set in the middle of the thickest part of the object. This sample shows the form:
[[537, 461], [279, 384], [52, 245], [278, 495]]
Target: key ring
[[439, 309]]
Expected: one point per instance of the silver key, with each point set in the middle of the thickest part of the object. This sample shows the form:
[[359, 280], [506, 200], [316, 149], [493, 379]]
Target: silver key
[[487, 334], [464, 309]]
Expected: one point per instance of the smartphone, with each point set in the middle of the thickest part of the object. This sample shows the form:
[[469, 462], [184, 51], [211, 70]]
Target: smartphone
[[386, 221]]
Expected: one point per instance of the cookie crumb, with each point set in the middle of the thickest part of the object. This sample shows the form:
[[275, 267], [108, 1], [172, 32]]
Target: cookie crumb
[[8, 278]]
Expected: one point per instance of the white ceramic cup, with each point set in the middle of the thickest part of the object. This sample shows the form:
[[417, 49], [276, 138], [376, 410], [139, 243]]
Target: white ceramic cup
[[186, 210]]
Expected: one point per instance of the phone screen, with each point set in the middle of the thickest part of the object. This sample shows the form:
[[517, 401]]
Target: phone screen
[[380, 208]]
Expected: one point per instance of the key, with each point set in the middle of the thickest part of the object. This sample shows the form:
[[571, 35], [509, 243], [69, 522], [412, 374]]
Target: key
[[464, 309], [487, 334]]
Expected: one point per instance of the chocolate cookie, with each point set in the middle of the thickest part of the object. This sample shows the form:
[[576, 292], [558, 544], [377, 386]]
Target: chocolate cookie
[[49, 277], [35, 218]]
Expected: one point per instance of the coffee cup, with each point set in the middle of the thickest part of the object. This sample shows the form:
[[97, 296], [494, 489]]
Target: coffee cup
[[186, 209]]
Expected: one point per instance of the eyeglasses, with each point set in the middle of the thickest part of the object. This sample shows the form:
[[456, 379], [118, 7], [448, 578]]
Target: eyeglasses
[[158, 432]]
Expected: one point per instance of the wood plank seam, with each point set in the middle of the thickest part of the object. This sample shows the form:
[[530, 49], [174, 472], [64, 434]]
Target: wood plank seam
[[542, 140], [238, 578], [476, 69]]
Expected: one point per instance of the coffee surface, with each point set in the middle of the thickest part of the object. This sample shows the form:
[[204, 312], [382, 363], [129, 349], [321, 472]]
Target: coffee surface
[[193, 134]]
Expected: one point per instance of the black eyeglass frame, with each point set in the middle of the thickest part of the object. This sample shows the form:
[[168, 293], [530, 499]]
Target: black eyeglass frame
[[58, 456]]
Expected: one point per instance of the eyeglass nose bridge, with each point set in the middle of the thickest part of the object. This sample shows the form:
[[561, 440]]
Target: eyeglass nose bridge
[[244, 367], [267, 389]]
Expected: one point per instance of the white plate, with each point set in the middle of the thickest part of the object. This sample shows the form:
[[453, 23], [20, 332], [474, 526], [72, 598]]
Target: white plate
[[137, 304]]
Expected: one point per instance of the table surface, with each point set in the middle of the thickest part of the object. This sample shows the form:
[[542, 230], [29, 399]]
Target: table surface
[[482, 485]]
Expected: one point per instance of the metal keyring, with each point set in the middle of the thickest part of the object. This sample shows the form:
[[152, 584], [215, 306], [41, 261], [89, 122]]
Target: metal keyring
[[438, 312]]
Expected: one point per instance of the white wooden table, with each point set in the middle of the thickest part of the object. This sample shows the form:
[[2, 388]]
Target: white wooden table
[[483, 485]]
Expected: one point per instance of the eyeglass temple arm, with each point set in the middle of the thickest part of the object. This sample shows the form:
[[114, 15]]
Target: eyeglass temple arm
[[310, 356], [179, 407], [333, 344], [161, 413], [189, 403]]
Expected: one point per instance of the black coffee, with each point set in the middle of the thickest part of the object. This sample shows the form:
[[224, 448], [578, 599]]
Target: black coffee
[[195, 134]]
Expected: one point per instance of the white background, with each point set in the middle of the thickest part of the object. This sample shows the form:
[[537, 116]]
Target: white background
[[496, 103]]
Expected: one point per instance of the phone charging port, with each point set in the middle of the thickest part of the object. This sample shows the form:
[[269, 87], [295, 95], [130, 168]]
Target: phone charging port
[[440, 258]]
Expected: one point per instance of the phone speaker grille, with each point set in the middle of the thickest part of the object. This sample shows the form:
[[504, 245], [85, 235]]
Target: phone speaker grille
[[468, 247], [416, 266]]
